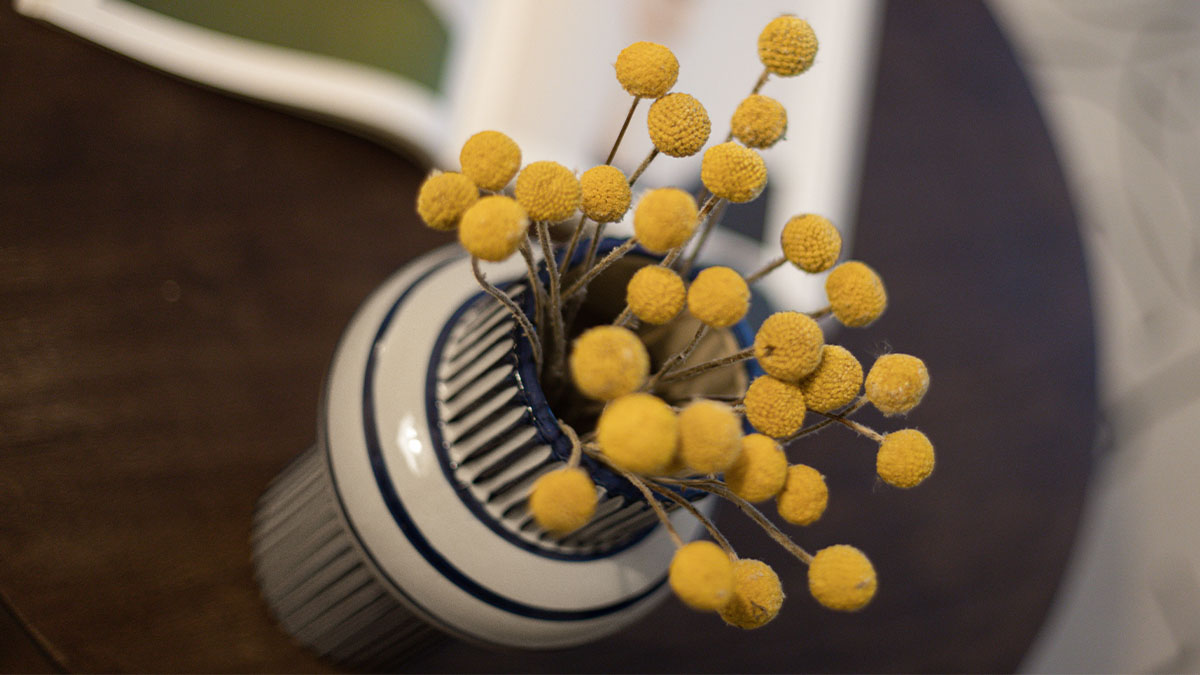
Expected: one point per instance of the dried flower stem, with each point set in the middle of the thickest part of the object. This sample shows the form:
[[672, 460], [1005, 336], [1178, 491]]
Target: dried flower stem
[[576, 446], [691, 508], [706, 226], [813, 428], [861, 429], [650, 499], [721, 490], [762, 79], [677, 358], [555, 306], [572, 245], [539, 291], [616, 144], [766, 269], [642, 167], [819, 313], [702, 368], [613, 256], [522, 320]]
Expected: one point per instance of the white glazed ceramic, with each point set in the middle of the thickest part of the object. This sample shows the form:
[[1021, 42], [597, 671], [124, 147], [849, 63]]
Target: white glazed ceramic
[[409, 511]]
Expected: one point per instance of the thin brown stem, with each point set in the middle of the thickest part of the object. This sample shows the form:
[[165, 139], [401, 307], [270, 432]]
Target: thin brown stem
[[576, 446], [691, 508], [535, 285], [813, 428], [612, 257], [522, 320], [554, 307], [860, 429], [676, 359], [707, 222], [766, 269], [650, 498], [572, 245], [819, 313], [701, 368], [629, 116], [721, 490], [624, 317], [642, 167], [762, 79]]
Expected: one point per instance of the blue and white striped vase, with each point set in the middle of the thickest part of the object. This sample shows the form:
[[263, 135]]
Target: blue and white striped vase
[[407, 520]]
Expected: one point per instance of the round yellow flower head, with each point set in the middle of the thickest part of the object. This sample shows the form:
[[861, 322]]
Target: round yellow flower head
[[655, 294], [563, 500], [840, 577], [607, 362], [835, 382], [548, 191], [905, 458], [897, 383], [733, 172], [811, 242], [787, 46], [678, 124], [701, 575], [757, 595], [443, 198], [804, 496], [605, 194], [647, 69], [788, 345], [493, 228], [639, 433], [719, 297], [774, 407], [664, 218], [710, 436], [759, 121], [760, 471], [856, 294], [490, 159]]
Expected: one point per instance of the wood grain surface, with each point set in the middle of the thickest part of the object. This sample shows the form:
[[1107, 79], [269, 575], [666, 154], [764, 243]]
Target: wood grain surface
[[176, 267]]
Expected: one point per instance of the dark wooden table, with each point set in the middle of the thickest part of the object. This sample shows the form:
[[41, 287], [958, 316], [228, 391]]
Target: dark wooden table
[[176, 267]]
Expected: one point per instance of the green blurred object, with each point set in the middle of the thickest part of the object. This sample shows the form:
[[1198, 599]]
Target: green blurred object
[[400, 36]]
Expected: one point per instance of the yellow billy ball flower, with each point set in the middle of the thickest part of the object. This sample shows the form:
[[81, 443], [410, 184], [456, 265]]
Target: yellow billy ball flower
[[493, 228], [757, 595], [548, 191], [605, 194], [710, 436], [678, 124], [835, 382], [655, 294], [563, 500], [856, 294], [647, 69], [788, 345], [905, 458], [701, 574], [759, 121], [490, 159], [840, 577], [443, 198], [760, 471], [639, 433], [664, 218], [733, 172], [607, 362], [774, 407], [897, 383], [804, 496], [787, 46], [719, 297], [811, 242]]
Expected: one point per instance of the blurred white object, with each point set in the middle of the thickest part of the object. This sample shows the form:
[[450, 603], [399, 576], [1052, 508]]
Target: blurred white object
[[1119, 83], [542, 73]]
